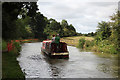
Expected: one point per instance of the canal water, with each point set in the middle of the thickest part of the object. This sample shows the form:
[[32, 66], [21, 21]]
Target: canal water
[[79, 65]]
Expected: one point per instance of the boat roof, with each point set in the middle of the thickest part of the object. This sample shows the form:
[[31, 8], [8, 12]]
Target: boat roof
[[49, 41]]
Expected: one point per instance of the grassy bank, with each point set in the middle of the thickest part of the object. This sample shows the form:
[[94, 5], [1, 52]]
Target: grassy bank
[[10, 66], [104, 46], [90, 44]]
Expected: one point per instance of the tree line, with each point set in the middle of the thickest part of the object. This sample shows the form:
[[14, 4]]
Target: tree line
[[21, 20], [110, 31]]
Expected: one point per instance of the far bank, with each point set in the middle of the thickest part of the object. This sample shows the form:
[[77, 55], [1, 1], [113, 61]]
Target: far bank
[[90, 44]]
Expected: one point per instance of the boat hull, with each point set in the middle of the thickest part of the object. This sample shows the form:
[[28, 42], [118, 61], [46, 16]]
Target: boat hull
[[59, 55]]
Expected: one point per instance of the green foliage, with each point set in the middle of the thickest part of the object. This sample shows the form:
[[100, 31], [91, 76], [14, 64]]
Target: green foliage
[[17, 46], [24, 29], [103, 31], [21, 20], [38, 24], [116, 30], [68, 30], [107, 47], [11, 68], [104, 46], [81, 43], [78, 34], [89, 44], [10, 13], [91, 34], [54, 27], [4, 45], [108, 35]]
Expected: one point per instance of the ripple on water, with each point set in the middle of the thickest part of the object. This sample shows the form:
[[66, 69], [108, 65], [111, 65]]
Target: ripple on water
[[34, 57], [79, 65]]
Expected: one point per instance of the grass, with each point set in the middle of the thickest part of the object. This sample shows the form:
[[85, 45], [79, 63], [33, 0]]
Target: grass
[[74, 41], [79, 37], [106, 55], [10, 66], [4, 45]]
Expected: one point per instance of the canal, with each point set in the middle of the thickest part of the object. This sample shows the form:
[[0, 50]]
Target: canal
[[79, 65]]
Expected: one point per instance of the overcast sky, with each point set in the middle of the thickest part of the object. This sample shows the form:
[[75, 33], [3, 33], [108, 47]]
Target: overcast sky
[[84, 15]]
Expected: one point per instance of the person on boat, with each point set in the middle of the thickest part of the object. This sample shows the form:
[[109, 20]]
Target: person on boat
[[57, 41], [53, 38]]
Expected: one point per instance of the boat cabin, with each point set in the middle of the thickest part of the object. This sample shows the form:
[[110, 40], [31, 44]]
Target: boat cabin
[[54, 49]]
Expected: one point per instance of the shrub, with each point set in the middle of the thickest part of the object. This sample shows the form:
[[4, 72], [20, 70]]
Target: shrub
[[81, 43], [89, 43], [113, 49], [107, 47], [95, 48], [17, 46], [4, 45]]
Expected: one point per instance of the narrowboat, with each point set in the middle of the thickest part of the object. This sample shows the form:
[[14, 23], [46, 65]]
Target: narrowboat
[[54, 50]]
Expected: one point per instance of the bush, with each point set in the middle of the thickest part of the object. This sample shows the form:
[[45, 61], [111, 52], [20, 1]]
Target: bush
[[81, 43], [107, 47], [113, 49], [17, 47], [89, 43], [95, 48], [104, 46], [4, 45]]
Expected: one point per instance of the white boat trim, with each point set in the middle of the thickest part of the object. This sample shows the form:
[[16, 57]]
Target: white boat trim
[[65, 53]]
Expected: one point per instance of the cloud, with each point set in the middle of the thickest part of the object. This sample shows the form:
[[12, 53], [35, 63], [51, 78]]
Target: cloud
[[83, 14]]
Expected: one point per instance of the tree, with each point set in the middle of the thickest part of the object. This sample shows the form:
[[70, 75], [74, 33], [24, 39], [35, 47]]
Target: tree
[[110, 31], [10, 12], [91, 34], [53, 27], [115, 24], [64, 23], [68, 30], [38, 24], [104, 30], [72, 30], [23, 28]]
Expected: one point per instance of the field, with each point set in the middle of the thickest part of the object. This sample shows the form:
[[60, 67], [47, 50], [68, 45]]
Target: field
[[73, 41]]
